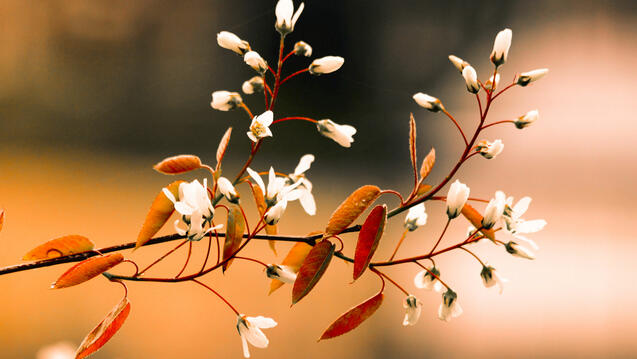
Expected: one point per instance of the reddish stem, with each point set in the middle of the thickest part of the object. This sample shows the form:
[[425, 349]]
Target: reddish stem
[[294, 74]]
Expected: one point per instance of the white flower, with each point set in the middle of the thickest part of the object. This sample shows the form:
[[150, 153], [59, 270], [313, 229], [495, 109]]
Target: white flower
[[304, 191], [250, 331], [260, 126], [273, 215], [519, 251], [280, 272], [254, 60], [285, 19], [471, 79], [326, 65], [424, 280], [429, 102], [195, 207], [253, 85], [341, 134], [275, 185], [527, 119], [459, 63], [517, 226], [449, 308], [526, 78], [302, 48], [225, 100], [494, 210], [489, 83], [227, 189], [501, 47], [456, 198], [491, 277], [416, 217], [413, 308], [60, 350], [232, 42], [490, 150]]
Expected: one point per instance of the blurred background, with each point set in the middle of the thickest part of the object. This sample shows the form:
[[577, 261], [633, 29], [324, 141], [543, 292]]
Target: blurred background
[[93, 93]]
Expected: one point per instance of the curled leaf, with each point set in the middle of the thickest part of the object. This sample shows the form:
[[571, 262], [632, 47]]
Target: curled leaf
[[428, 164], [60, 247], [312, 269], [87, 269], [293, 261], [351, 208], [178, 164], [353, 317], [475, 218], [105, 330], [223, 146], [161, 209], [234, 234], [412, 140], [368, 239]]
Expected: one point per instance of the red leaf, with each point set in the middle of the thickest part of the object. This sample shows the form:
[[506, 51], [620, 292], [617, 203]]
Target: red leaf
[[87, 269], [295, 258], [178, 164], [60, 247], [1, 218], [368, 239], [312, 269], [161, 209], [105, 330], [412, 141], [351, 208], [223, 146], [234, 234], [353, 317]]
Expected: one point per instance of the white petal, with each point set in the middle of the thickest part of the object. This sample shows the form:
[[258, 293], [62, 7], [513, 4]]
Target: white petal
[[183, 208], [180, 231], [533, 226], [297, 14], [304, 164], [256, 337], [252, 136], [307, 201], [257, 179], [246, 350], [169, 195], [263, 322], [520, 208], [527, 240]]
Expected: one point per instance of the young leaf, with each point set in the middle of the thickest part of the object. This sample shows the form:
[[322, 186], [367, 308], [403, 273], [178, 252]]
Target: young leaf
[[428, 164], [422, 189], [368, 239], [293, 260], [312, 269], [412, 141], [105, 330], [475, 218], [236, 225], [353, 317], [178, 164], [87, 269], [60, 247], [259, 199], [351, 208], [159, 212], [223, 146]]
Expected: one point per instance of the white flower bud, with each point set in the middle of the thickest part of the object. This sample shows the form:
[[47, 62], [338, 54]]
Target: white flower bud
[[490, 150], [227, 189], [489, 84], [519, 251], [285, 16], [501, 47], [273, 215], [526, 78], [254, 60], [302, 48], [456, 198], [280, 272], [253, 85], [424, 280], [459, 63], [491, 277], [232, 42], [449, 308], [341, 134], [326, 65], [416, 217], [494, 210], [413, 308], [429, 102], [527, 119], [225, 100], [471, 79]]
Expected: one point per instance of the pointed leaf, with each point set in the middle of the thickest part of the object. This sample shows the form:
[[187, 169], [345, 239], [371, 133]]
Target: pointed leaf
[[223, 146], [60, 247], [293, 260], [475, 218], [235, 227], [1, 218], [353, 317], [412, 141], [428, 164], [87, 269], [422, 189], [312, 269], [178, 164], [368, 239], [351, 208], [105, 330], [262, 207], [161, 209]]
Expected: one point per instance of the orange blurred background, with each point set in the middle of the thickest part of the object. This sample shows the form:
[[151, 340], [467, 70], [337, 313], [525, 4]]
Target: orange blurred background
[[94, 93]]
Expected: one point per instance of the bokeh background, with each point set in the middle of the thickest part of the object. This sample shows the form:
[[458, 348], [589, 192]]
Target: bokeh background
[[93, 93]]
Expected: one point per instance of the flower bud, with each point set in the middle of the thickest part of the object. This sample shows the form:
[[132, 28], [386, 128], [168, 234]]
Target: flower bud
[[273, 215], [341, 134], [280, 272], [253, 85], [424, 280], [227, 189], [416, 217], [491, 277], [494, 210], [429, 102], [285, 16], [225, 100], [501, 47], [254, 60], [526, 120], [519, 251], [456, 198], [413, 308], [302, 48], [526, 78], [459, 63], [232, 42], [489, 85], [471, 79], [490, 150], [449, 308], [326, 65]]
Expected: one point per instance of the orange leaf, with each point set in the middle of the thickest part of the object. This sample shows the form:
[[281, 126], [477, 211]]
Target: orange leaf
[[428, 164], [368, 239], [422, 189], [412, 140], [178, 164], [475, 218], [353, 317], [223, 146], [351, 208], [234, 234], [105, 330], [87, 269], [312, 269], [262, 207], [159, 212], [60, 247], [293, 260], [1, 218]]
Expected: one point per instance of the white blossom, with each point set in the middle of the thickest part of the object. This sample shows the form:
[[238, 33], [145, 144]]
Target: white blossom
[[326, 65], [232, 42], [304, 191], [260, 126], [456, 198], [250, 331], [254, 60], [471, 79], [491, 277], [227, 189], [285, 16], [302, 48], [517, 226], [413, 307], [195, 207], [424, 280], [518, 250], [459, 63], [280, 272], [449, 308], [429, 102], [501, 47], [489, 84], [273, 215], [494, 210], [416, 217], [490, 150], [225, 100], [341, 134], [527, 119], [526, 78], [253, 85]]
